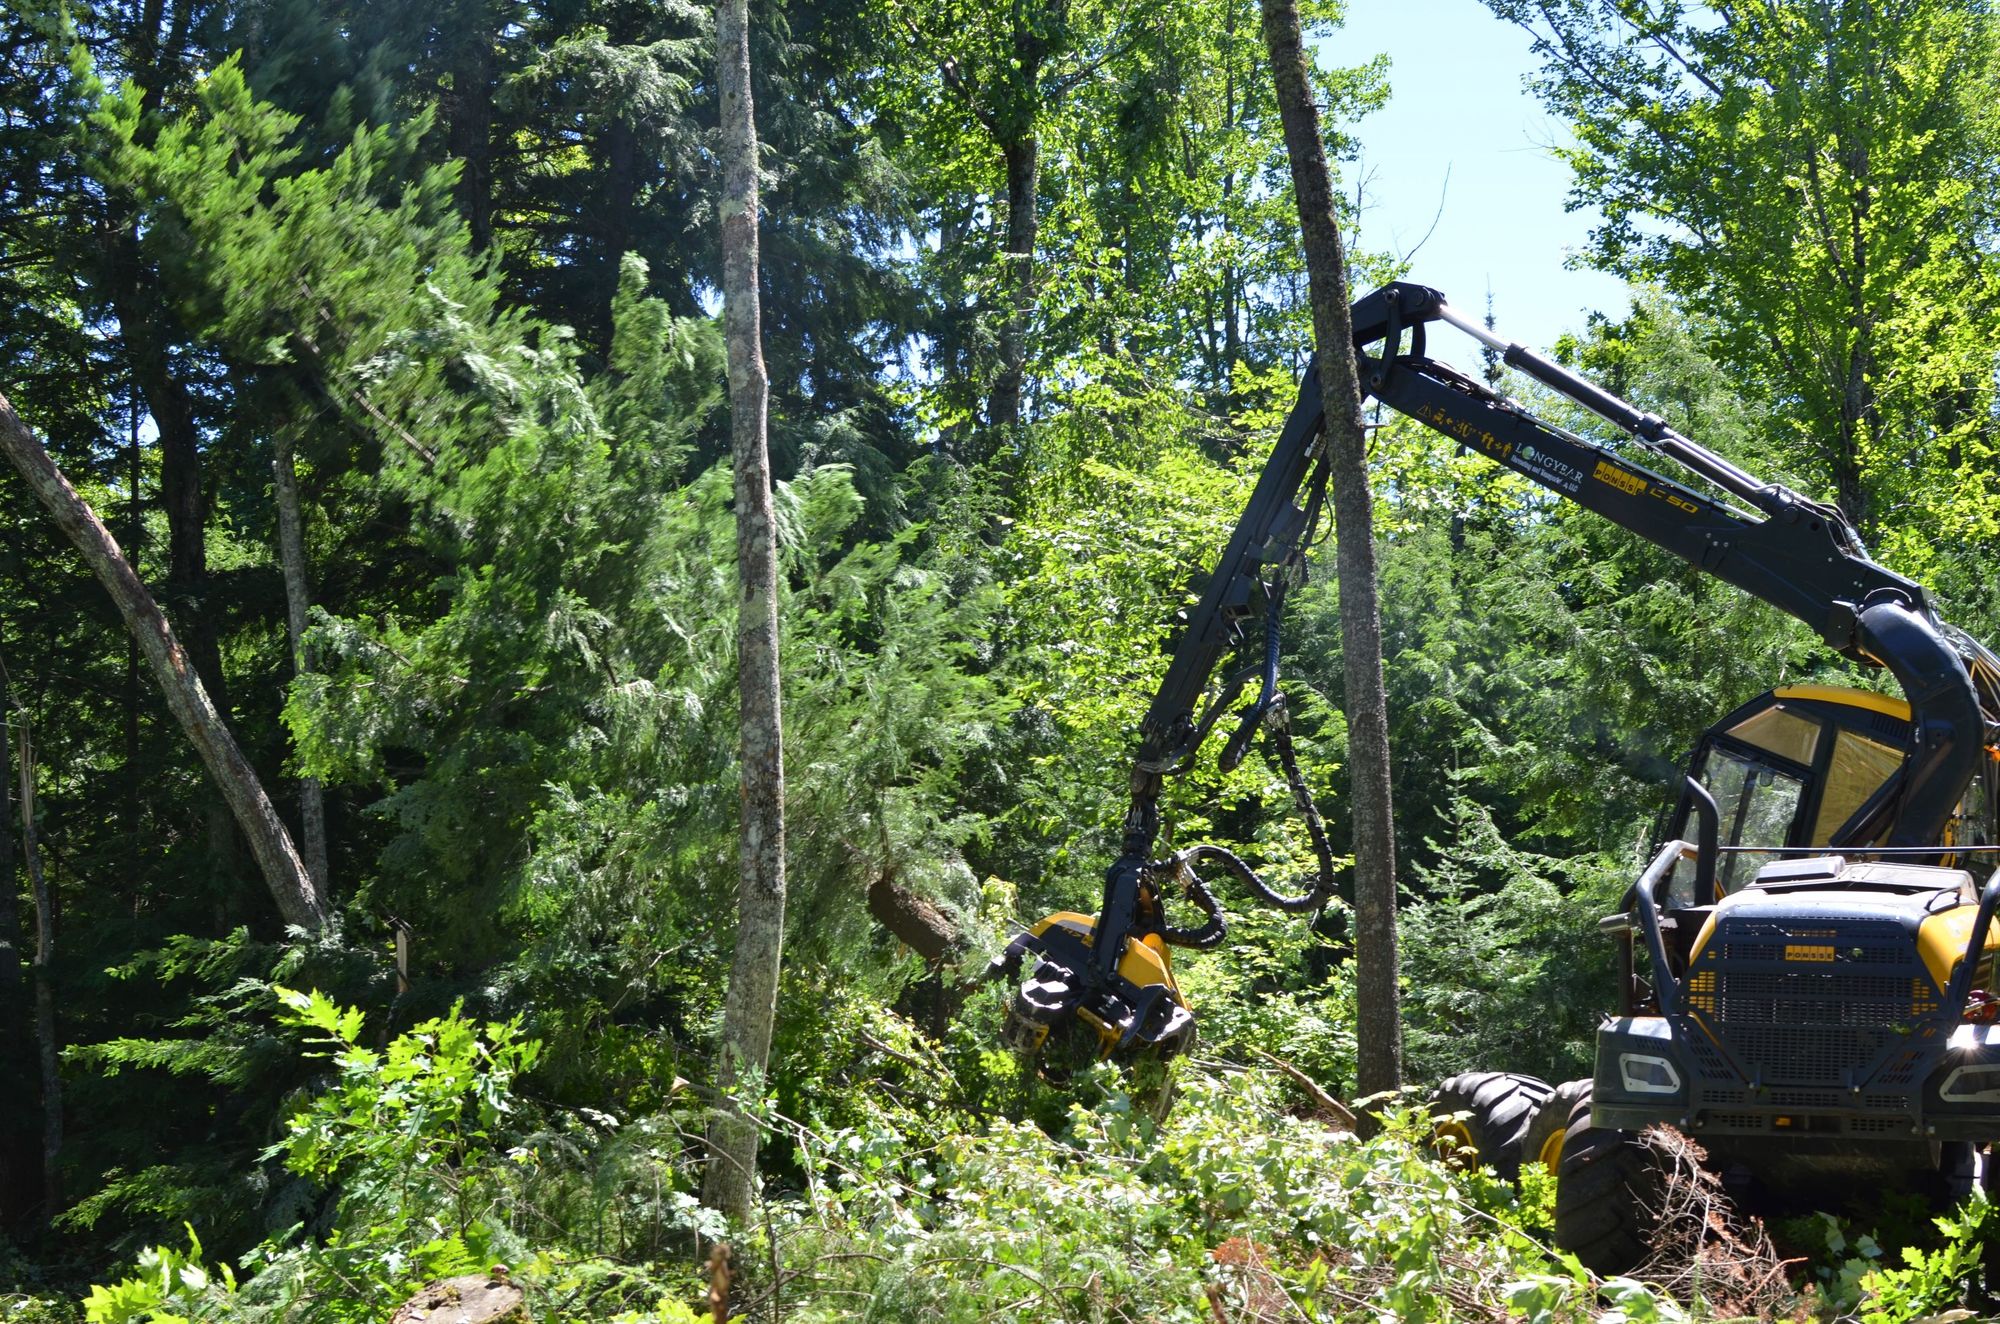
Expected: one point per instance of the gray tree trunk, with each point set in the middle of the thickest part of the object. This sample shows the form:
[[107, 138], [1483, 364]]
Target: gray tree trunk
[[10, 908], [45, 989], [292, 556], [298, 897], [1380, 1058], [1003, 408], [751, 1005]]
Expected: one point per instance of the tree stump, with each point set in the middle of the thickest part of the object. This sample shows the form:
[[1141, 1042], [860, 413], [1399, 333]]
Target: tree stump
[[476, 1298]]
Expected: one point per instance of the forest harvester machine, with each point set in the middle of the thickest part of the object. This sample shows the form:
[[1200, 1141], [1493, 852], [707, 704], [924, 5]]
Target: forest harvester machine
[[1807, 977]]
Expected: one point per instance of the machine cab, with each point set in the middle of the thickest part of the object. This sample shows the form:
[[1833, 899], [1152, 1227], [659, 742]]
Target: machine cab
[[1810, 765]]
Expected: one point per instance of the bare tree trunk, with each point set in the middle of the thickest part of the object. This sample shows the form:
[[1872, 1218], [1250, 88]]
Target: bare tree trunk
[[134, 532], [19, 1193], [1024, 172], [292, 555], [298, 897], [10, 909], [1379, 1065], [469, 118], [137, 302], [751, 1006], [45, 991]]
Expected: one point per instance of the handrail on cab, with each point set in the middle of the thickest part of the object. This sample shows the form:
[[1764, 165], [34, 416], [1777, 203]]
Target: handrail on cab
[[1643, 897]]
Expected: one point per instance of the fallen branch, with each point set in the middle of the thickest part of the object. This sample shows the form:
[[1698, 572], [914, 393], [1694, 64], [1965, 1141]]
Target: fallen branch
[[1325, 1102]]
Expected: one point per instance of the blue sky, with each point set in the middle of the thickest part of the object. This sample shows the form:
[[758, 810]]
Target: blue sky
[[1459, 107]]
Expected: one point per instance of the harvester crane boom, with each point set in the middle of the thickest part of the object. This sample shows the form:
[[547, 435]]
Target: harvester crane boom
[[1799, 555]]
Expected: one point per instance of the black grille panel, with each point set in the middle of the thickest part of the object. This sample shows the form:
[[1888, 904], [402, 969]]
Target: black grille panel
[[1807, 1055], [1707, 1061], [1847, 953], [1902, 1071], [1813, 998], [1877, 1125], [1740, 1121], [1814, 1003], [1806, 1098]]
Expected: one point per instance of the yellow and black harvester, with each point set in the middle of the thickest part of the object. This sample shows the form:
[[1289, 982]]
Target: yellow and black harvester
[[1807, 964]]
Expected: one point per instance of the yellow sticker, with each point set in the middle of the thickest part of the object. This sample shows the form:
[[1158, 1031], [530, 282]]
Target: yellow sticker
[[1610, 474], [1801, 952]]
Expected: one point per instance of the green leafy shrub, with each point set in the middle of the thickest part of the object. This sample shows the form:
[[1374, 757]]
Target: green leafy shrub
[[411, 1130], [1858, 1278], [408, 1144], [1231, 1199], [168, 1287]]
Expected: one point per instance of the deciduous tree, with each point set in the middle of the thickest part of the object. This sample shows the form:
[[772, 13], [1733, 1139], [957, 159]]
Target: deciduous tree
[[1813, 174], [751, 1009], [1380, 1063]]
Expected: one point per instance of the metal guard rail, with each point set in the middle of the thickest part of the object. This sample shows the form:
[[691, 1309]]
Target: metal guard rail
[[1644, 898]]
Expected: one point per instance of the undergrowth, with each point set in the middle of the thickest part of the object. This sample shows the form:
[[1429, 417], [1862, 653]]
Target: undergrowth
[[1237, 1208]]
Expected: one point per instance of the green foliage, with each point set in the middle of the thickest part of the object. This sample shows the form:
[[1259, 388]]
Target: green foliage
[[1844, 253], [1257, 995], [1505, 967], [1941, 1261], [463, 275], [409, 1140], [222, 1050], [1230, 1195], [402, 1126], [169, 1287]]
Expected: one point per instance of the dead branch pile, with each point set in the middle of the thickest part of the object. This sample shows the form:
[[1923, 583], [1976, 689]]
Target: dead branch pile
[[1704, 1248]]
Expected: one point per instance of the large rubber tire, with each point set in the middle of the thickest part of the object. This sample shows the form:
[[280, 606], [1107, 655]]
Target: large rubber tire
[[1609, 1190], [1543, 1143], [1498, 1108]]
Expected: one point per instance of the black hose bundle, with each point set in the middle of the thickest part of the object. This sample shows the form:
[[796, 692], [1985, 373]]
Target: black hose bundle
[[1181, 867]]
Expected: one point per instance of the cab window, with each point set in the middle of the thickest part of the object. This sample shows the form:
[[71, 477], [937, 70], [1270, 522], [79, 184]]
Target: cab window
[[1857, 770], [1784, 733], [1973, 824], [1756, 804]]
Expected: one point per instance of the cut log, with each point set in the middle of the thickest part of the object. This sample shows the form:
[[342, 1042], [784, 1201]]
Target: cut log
[[477, 1298], [917, 924]]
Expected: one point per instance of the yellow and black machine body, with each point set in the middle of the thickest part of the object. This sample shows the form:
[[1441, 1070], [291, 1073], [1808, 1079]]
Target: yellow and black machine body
[[1816, 933], [1810, 991], [1817, 929]]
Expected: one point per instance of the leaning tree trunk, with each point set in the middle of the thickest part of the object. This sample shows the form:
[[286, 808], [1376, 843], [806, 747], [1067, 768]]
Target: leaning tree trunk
[[298, 897], [292, 556], [45, 989], [1379, 1064], [751, 1005]]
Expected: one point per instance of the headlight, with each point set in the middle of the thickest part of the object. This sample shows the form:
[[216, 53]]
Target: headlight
[[1646, 1074], [1972, 1084]]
